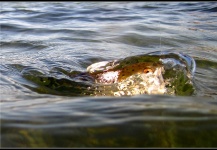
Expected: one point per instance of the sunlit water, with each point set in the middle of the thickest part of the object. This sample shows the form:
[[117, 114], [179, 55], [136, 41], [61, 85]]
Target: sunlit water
[[45, 44]]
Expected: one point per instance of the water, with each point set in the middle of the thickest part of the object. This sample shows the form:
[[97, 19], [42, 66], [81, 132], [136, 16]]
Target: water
[[43, 44]]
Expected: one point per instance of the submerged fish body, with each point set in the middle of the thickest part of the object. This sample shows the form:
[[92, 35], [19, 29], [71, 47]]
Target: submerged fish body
[[153, 73]]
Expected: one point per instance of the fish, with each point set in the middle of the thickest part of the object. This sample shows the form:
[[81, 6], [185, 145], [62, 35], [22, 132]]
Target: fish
[[114, 75], [160, 72]]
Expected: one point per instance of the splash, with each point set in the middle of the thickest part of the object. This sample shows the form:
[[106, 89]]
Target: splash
[[161, 72]]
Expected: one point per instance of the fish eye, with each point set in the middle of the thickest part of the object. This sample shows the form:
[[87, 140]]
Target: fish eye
[[147, 70]]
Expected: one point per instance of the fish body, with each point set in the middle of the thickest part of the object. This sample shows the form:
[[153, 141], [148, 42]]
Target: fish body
[[117, 75], [161, 72], [138, 68]]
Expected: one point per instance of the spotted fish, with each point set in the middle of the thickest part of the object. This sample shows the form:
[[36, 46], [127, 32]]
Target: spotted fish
[[117, 75], [161, 72]]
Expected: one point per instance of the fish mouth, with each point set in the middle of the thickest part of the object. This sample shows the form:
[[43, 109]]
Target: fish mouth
[[107, 77]]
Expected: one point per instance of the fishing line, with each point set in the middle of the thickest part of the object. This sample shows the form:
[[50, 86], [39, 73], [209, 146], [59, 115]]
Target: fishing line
[[160, 35]]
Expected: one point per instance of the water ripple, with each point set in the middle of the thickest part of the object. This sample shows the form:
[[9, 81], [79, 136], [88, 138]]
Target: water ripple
[[48, 43]]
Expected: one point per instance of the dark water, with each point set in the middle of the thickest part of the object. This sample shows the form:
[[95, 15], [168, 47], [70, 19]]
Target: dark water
[[44, 43]]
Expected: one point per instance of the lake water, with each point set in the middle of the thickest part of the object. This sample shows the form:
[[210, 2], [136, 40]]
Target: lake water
[[44, 43]]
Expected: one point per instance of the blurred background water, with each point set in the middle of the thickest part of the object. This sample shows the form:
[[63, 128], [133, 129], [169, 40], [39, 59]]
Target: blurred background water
[[54, 40]]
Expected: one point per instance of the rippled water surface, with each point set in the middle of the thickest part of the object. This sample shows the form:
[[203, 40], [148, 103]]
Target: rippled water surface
[[45, 44]]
